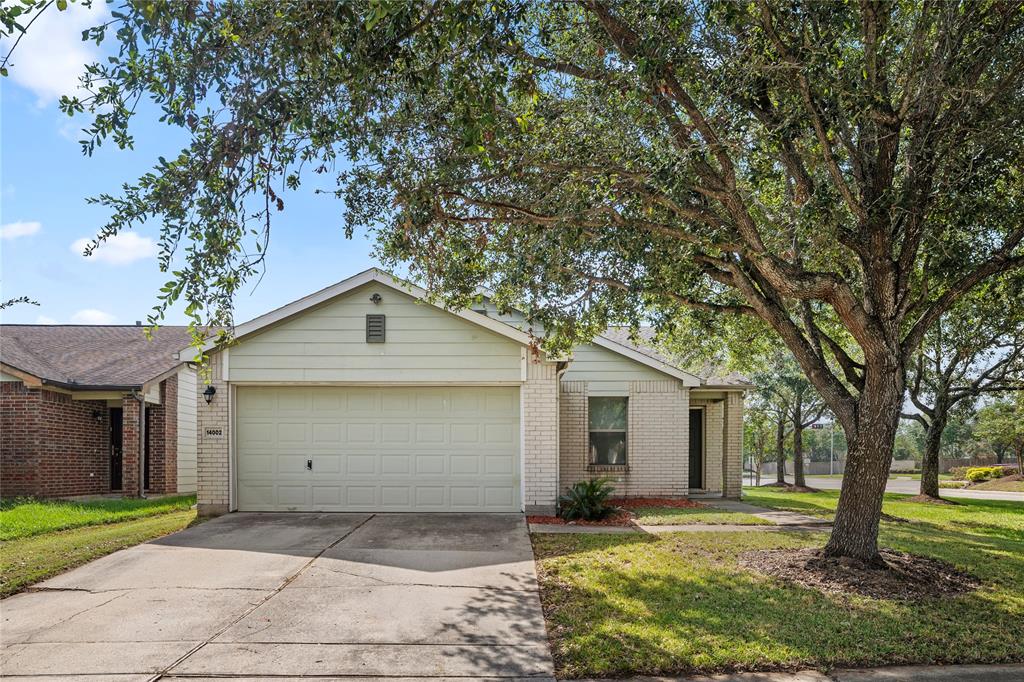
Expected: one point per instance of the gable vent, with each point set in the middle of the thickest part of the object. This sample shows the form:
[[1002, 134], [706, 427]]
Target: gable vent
[[374, 329]]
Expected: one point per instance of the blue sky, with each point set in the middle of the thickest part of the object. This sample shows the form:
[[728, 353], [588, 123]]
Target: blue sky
[[45, 180]]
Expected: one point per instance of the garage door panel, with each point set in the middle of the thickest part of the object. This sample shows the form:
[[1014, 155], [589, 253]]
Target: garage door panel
[[384, 449]]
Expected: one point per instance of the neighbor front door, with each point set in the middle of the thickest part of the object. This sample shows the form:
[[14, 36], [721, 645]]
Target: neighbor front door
[[697, 449], [116, 448]]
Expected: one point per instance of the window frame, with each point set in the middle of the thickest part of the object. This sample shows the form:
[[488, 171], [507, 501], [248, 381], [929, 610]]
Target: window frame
[[592, 462]]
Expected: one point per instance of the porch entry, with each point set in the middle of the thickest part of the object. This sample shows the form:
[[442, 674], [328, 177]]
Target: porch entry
[[116, 448], [696, 449]]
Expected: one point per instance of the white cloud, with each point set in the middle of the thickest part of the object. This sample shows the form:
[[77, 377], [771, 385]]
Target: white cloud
[[92, 316], [43, 319], [121, 249], [52, 55], [19, 229]]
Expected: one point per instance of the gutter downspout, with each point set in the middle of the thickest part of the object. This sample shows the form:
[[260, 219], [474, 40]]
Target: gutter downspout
[[561, 367], [141, 397]]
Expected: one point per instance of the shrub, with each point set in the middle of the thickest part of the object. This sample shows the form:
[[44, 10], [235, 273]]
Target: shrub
[[952, 484], [587, 500], [959, 473], [979, 474]]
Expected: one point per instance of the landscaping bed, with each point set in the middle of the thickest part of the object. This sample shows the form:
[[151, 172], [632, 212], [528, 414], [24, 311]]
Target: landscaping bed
[[902, 576], [660, 511]]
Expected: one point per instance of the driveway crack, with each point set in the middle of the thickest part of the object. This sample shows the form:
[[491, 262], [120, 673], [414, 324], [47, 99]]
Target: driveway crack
[[285, 583]]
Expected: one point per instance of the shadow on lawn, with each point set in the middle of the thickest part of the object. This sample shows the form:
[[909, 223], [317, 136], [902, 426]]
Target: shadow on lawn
[[620, 605]]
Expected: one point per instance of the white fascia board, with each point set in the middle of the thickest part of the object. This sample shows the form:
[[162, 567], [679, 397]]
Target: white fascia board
[[686, 378], [343, 287]]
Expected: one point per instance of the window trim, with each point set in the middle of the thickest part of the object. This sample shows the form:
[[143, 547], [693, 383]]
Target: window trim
[[593, 465]]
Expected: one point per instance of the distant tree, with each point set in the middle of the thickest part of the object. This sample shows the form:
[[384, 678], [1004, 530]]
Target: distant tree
[[842, 172], [1001, 423], [975, 348], [758, 426]]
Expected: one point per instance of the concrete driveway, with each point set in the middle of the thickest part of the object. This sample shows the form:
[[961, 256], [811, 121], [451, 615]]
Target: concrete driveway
[[254, 595]]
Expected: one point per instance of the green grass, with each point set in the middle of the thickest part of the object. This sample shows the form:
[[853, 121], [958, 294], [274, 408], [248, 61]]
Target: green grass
[[892, 474], [30, 559], [25, 517], [671, 516], [620, 605]]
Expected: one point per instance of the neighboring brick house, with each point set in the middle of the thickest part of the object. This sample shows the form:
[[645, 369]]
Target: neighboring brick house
[[78, 403], [366, 397]]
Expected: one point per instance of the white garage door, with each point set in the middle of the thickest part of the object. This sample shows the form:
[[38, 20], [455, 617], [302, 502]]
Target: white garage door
[[378, 449]]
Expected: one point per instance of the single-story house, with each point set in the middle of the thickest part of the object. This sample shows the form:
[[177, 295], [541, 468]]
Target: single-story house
[[78, 403], [364, 396]]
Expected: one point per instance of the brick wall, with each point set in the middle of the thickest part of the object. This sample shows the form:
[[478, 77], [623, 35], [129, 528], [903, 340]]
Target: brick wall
[[51, 445], [657, 440], [213, 451], [573, 438], [130, 446], [540, 441], [714, 412], [162, 422], [732, 449]]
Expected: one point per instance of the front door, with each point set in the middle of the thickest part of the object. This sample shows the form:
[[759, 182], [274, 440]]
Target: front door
[[116, 447], [696, 449]]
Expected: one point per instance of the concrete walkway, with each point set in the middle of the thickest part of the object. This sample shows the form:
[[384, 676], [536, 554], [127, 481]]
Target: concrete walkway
[[910, 673], [780, 520], [279, 595]]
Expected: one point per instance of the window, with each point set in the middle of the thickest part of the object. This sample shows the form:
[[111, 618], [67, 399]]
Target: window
[[607, 417]]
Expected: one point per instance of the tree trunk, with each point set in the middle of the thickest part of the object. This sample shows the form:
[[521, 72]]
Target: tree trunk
[[930, 462], [780, 451], [798, 447], [855, 530]]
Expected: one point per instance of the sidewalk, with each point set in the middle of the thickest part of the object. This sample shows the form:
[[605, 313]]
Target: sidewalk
[[780, 520], [910, 673]]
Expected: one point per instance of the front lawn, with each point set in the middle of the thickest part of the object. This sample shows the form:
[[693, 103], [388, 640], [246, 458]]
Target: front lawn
[[673, 516], [622, 605], [25, 517], [30, 559]]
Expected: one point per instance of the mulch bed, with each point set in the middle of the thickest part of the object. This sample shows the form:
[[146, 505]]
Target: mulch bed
[[642, 502], [620, 518], [623, 517], [904, 577]]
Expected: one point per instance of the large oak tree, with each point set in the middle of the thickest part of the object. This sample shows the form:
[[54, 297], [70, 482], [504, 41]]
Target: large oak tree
[[842, 172]]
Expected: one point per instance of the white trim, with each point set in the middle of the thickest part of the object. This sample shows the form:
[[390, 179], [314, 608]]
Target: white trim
[[232, 456], [225, 373], [522, 448], [344, 286], [523, 361], [686, 378]]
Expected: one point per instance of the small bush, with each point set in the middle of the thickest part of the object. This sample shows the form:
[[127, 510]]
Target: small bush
[[979, 474], [952, 484], [587, 500], [959, 473]]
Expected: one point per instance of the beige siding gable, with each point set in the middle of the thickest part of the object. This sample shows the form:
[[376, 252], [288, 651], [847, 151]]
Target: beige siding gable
[[607, 372], [424, 344], [187, 430]]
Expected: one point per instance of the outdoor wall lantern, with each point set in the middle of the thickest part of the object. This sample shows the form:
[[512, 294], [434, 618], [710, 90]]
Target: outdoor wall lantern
[[209, 393], [376, 299]]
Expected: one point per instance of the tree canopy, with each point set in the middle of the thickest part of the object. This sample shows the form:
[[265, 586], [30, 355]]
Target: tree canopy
[[839, 172]]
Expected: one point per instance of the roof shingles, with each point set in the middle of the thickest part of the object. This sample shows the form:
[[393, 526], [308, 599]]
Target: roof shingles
[[81, 356]]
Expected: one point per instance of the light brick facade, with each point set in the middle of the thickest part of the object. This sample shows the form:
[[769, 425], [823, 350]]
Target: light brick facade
[[539, 396], [213, 451], [732, 476], [657, 440]]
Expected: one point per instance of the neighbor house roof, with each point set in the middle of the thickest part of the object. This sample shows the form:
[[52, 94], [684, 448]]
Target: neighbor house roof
[[91, 356]]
